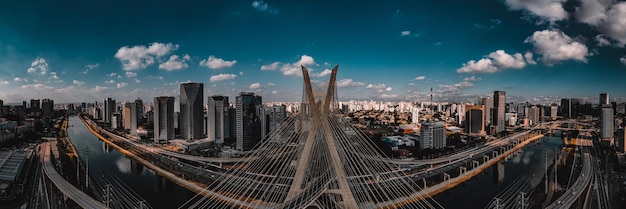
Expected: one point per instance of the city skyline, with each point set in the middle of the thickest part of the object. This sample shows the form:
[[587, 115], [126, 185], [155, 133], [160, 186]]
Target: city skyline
[[537, 51]]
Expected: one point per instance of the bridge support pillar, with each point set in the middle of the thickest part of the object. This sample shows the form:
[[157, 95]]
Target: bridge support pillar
[[424, 181], [475, 164], [446, 177], [462, 170], [502, 150], [494, 154], [485, 158]]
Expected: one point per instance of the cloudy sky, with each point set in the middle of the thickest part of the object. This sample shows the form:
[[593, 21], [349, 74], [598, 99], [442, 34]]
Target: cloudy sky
[[535, 50]]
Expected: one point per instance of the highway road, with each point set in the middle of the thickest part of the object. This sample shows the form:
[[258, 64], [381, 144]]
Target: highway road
[[573, 193], [79, 197]]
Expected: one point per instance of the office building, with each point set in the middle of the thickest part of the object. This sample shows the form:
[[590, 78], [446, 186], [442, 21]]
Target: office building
[[604, 99], [136, 115], [126, 114], [606, 123], [109, 107], [47, 106], [249, 121], [533, 115], [487, 104], [35, 104], [191, 111], [116, 120], [163, 119], [474, 119], [433, 135], [499, 105], [217, 120], [2, 109], [415, 115], [274, 116]]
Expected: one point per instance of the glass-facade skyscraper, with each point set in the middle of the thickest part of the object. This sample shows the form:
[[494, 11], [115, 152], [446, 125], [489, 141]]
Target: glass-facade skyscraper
[[191, 111]]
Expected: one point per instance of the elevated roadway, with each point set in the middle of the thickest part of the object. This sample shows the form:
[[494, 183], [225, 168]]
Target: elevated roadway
[[573, 193], [70, 191]]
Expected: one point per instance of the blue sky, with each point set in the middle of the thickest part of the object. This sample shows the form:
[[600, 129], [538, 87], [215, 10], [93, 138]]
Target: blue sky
[[535, 50]]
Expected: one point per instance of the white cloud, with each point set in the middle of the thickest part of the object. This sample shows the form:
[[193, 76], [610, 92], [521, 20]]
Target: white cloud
[[175, 63], [614, 26], [529, 58], [388, 96], [156, 77], [98, 89], [324, 73], [255, 86], [405, 33], [556, 46], [92, 66], [109, 82], [36, 86], [274, 92], [40, 64], [79, 83], [137, 80], [602, 40], [592, 12], [292, 69], [222, 77], [471, 78], [273, 66], [348, 82], [4, 82], [111, 74], [420, 78], [130, 74], [217, 63], [53, 76], [140, 57], [551, 10], [271, 84], [623, 60], [379, 87], [494, 62], [264, 7], [240, 72], [18, 79], [121, 85]]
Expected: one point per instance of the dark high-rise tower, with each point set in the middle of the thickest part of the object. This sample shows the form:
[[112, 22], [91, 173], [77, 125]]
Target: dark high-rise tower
[[499, 105], [163, 119], [191, 111], [109, 109], [35, 104], [47, 106], [604, 99], [249, 113], [217, 121]]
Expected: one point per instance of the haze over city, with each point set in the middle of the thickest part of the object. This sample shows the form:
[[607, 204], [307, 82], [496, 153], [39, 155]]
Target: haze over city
[[537, 51]]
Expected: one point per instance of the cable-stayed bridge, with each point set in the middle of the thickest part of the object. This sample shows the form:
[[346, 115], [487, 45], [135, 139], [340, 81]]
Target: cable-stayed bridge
[[314, 160]]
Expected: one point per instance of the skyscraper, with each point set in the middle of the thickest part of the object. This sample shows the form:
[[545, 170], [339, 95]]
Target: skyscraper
[[47, 106], [35, 104], [249, 113], [2, 108], [534, 115], [604, 99], [606, 123], [474, 119], [487, 105], [163, 119], [217, 121], [191, 111], [109, 109], [275, 115], [136, 115], [499, 103], [433, 135], [127, 114]]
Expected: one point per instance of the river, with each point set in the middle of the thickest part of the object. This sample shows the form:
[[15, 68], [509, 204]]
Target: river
[[482, 188], [108, 162]]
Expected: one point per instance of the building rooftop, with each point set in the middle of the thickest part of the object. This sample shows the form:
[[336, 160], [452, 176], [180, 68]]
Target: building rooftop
[[11, 164]]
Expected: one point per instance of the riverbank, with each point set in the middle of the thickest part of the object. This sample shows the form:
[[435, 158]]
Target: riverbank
[[193, 186]]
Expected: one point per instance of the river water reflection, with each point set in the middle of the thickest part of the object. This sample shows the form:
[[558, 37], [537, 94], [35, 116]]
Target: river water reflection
[[106, 161]]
